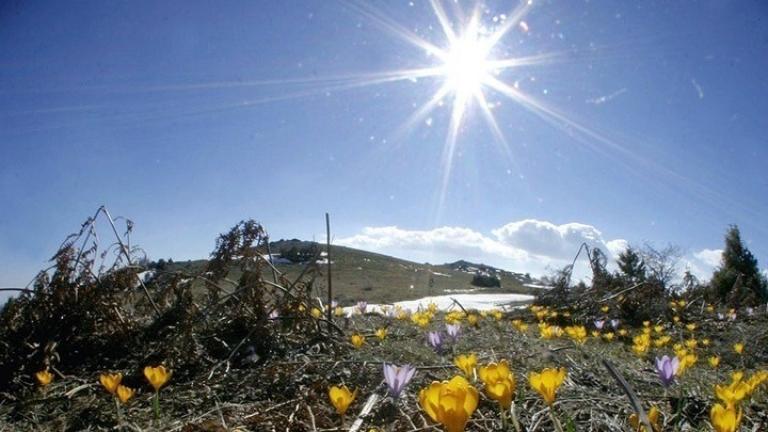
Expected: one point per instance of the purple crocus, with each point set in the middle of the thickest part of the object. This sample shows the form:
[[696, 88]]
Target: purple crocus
[[334, 304], [397, 377], [274, 314], [362, 306], [435, 340], [615, 323], [667, 369], [599, 324], [453, 331]]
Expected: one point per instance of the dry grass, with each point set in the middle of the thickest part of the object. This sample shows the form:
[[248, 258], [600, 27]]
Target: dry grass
[[289, 393]]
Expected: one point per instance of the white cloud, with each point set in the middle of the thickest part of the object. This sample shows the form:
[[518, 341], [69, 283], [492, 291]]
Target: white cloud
[[530, 245], [710, 257], [702, 263], [553, 241]]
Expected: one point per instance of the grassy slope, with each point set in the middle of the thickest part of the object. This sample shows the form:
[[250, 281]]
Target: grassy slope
[[377, 278]]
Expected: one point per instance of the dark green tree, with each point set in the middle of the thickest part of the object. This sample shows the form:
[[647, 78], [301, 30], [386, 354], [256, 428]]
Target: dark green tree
[[631, 266], [738, 280]]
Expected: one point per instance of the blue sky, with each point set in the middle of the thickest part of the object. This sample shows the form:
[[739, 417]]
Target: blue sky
[[187, 117]]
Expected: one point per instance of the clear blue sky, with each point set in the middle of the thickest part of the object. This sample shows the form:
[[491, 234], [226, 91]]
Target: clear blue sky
[[189, 116]]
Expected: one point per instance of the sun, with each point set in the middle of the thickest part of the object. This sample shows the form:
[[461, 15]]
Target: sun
[[466, 66]]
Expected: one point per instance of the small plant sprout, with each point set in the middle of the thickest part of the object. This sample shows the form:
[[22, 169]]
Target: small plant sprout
[[341, 398], [157, 376], [397, 377]]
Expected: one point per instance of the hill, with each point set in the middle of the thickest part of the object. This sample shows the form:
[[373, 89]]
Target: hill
[[377, 278]]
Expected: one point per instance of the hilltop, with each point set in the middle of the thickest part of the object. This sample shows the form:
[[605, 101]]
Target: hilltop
[[374, 277]]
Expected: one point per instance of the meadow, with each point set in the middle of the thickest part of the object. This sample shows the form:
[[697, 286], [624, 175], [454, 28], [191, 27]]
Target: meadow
[[263, 353]]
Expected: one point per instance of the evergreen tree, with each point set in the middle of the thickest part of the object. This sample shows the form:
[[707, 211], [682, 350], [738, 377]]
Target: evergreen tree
[[738, 279], [631, 266]]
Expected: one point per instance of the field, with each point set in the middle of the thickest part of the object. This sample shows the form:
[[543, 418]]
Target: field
[[231, 344]]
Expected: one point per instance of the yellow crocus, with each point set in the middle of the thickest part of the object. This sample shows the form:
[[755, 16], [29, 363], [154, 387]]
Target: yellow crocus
[[357, 340], [739, 348], [690, 326], [732, 394], [381, 333], [44, 377], [499, 382], [338, 311], [124, 393], [341, 398], [547, 382], [577, 333], [653, 417], [110, 381], [157, 376], [450, 403], [605, 309], [725, 419], [714, 361], [467, 363], [316, 313]]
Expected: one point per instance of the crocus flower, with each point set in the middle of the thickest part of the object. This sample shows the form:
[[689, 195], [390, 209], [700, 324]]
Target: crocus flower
[[381, 333], [615, 323], [357, 340], [334, 304], [667, 369], [714, 361], [44, 377], [467, 363], [362, 306], [739, 348], [111, 381], [397, 377], [316, 313], [157, 376], [599, 324], [653, 417], [547, 382], [453, 331], [124, 393], [341, 398], [274, 314], [499, 382], [725, 419], [450, 403], [733, 393], [435, 341]]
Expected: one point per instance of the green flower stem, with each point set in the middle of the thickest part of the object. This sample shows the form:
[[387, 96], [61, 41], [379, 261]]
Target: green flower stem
[[555, 421], [515, 422], [119, 412], [156, 404]]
